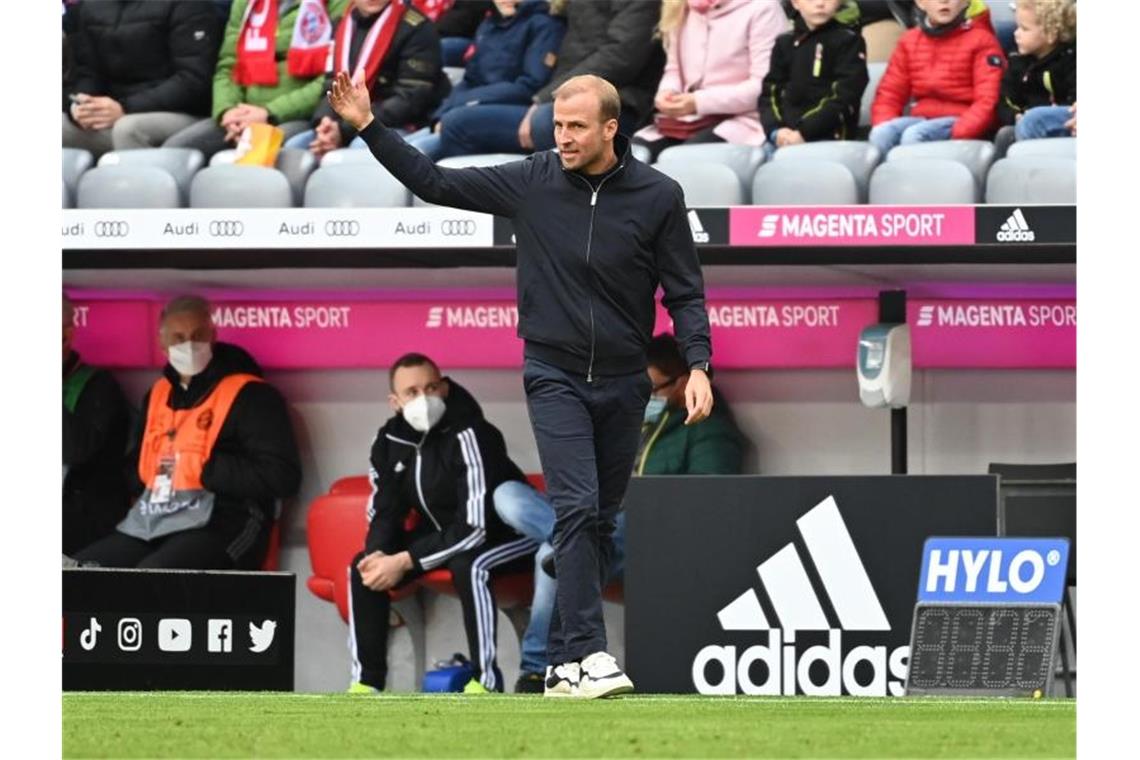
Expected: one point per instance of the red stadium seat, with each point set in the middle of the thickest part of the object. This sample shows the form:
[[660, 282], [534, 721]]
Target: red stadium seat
[[272, 559]]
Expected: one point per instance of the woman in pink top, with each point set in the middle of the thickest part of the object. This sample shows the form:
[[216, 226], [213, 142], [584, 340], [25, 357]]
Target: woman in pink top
[[717, 55]]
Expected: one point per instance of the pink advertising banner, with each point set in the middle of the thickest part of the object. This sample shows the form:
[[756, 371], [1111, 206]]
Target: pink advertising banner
[[851, 225], [116, 333], [994, 333]]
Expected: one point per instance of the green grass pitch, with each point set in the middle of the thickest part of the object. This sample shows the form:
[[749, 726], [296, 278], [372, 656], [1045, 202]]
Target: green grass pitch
[[299, 725]]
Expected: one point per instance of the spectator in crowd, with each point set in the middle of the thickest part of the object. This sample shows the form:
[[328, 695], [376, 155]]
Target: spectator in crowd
[[1039, 91], [140, 71], [514, 53], [395, 50], [94, 443], [610, 38], [457, 23], [216, 452], [437, 455], [718, 52], [270, 70], [951, 66], [816, 80]]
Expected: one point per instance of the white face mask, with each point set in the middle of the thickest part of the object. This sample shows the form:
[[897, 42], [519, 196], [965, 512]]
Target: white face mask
[[423, 412], [190, 358]]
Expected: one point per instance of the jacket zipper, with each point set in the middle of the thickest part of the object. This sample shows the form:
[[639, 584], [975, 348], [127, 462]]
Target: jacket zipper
[[419, 487], [589, 246]]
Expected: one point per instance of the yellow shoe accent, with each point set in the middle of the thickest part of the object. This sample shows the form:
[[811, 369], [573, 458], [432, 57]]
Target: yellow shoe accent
[[361, 688], [474, 687]]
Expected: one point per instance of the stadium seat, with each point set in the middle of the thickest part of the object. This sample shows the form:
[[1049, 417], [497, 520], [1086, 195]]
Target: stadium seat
[[923, 180], [479, 159], [860, 157], [66, 195], [240, 187], [75, 162], [1038, 179], [1004, 22], [347, 156], [1052, 147], [742, 159], [128, 186], [806, 182], [351, 484], [875, 73], [705, 184], [975, 155], [881, 38], [641, 153], [454, 73], [295, 163], [181, 163], [355, 185]]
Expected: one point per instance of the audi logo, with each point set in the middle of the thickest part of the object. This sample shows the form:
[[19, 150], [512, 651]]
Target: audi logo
[[342, 228], [226, 228], [458, 227], [112, 229]]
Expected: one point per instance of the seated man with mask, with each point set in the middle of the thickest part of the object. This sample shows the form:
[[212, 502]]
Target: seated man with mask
[[439, 457], [216, 451]]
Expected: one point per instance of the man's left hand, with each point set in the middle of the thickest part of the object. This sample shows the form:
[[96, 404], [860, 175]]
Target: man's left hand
[[100, 112], [381, 572], [698, 397]]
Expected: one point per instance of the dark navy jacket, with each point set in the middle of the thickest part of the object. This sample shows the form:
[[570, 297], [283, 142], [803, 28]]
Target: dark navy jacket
[[514, 57]]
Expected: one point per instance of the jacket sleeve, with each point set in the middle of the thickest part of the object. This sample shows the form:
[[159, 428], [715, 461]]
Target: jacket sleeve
[[979, 119], [414, 91], [85, 77], [1010, 103], [681, 279], [192, 41], [771, 92], [100, 413], [622, 54], [473, 446], [489, 189], [227, 93], [255, 456], [545, 39], [768, 23], [714, 449], [844, 99], [894, 88], [385, 511]]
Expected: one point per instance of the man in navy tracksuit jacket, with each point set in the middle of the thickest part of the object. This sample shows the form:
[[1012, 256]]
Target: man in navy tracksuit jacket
[[597, 233]]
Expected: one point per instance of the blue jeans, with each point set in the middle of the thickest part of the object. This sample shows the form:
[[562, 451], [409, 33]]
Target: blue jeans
[[452, 50], [494, 129], [528, 512], [302, 139], [907, 130], [1043, 121], [426, 141]]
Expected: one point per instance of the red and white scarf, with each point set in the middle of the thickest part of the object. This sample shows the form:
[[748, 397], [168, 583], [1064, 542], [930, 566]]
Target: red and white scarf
[[257, 43], [433, 9], [375, 46]]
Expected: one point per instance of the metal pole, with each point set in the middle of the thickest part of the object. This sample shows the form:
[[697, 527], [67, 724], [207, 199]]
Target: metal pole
[[892, 310]]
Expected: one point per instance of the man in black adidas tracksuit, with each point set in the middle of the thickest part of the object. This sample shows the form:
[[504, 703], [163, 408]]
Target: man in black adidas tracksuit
[[439, 457], [597, 232]]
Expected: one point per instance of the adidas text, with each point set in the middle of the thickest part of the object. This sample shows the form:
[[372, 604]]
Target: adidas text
[[1016, 229]]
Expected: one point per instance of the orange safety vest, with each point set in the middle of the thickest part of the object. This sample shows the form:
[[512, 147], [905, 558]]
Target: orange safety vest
[[189, 436]]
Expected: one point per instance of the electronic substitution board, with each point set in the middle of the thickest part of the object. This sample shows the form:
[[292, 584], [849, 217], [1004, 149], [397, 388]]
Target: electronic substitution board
[[988, 616]]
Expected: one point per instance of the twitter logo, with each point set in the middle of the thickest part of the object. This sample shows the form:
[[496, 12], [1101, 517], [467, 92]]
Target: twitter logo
[[261, 637]]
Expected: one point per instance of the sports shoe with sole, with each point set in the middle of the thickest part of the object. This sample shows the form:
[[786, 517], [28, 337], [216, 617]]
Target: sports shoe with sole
[[475, 687], [562, 680], [361, 688], [601, 677], [530, 683]]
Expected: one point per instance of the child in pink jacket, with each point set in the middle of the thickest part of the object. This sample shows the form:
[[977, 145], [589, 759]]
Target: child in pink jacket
[[717, 53]]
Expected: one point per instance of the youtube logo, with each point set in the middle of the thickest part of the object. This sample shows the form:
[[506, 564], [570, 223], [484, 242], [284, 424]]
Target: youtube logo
[[174, 635]]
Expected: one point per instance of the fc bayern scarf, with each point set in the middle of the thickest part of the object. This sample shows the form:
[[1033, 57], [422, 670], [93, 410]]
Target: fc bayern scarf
[[257, 43], [433, 9], [375, 46]]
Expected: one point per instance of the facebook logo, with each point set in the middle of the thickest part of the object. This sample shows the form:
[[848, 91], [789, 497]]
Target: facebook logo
[[220, 635]]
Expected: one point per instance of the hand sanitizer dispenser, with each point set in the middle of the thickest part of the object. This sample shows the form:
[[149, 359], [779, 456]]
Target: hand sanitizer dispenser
[[883, 365]]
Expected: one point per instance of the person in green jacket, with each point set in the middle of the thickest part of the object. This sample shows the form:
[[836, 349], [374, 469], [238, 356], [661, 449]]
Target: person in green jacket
[[255, 84]]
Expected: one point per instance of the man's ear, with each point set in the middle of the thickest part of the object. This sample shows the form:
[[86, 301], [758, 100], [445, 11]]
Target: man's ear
[[394, 403], [610, 129]]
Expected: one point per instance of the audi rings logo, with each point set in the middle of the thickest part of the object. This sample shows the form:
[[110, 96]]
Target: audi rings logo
[[115, 229], [342, 228], [226, 228], [458, 227]]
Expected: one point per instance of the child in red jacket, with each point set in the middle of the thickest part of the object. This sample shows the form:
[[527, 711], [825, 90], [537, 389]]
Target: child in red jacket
[[951, 66]]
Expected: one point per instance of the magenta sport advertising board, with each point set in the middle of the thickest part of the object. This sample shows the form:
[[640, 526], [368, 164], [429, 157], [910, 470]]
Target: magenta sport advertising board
[[752, 328]]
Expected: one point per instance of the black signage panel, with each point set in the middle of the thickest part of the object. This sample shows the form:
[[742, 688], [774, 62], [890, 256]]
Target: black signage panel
[[171, 629], [708, 226], [784, 585], [1023, 225]]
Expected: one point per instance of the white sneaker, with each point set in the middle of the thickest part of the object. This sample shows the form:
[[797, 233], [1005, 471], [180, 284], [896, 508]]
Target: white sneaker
[[562, 680], [601, 677]]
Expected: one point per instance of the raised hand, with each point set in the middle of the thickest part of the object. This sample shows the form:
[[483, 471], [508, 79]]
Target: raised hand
[[350, 100]]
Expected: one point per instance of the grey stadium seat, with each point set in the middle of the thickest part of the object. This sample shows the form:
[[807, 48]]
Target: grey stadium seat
[[354, 185], [858, 156], [181, 163], [480, 159], [129, 186], [347, 156], [75, 162], [923, 180], [240, 187], [705, 184], [641, 153], [805, 182], [1038, 179], [1052, 147], [295, 163], [66, 196], [454, 74], [742, 159], [975, 155], [875, 73]]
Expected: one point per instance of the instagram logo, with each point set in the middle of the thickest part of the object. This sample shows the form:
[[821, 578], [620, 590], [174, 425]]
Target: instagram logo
[[130, 634]]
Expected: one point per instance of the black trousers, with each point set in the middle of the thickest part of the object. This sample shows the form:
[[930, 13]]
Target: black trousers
[[471, 573], [656, 146], [200, 549], [587, 436]]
